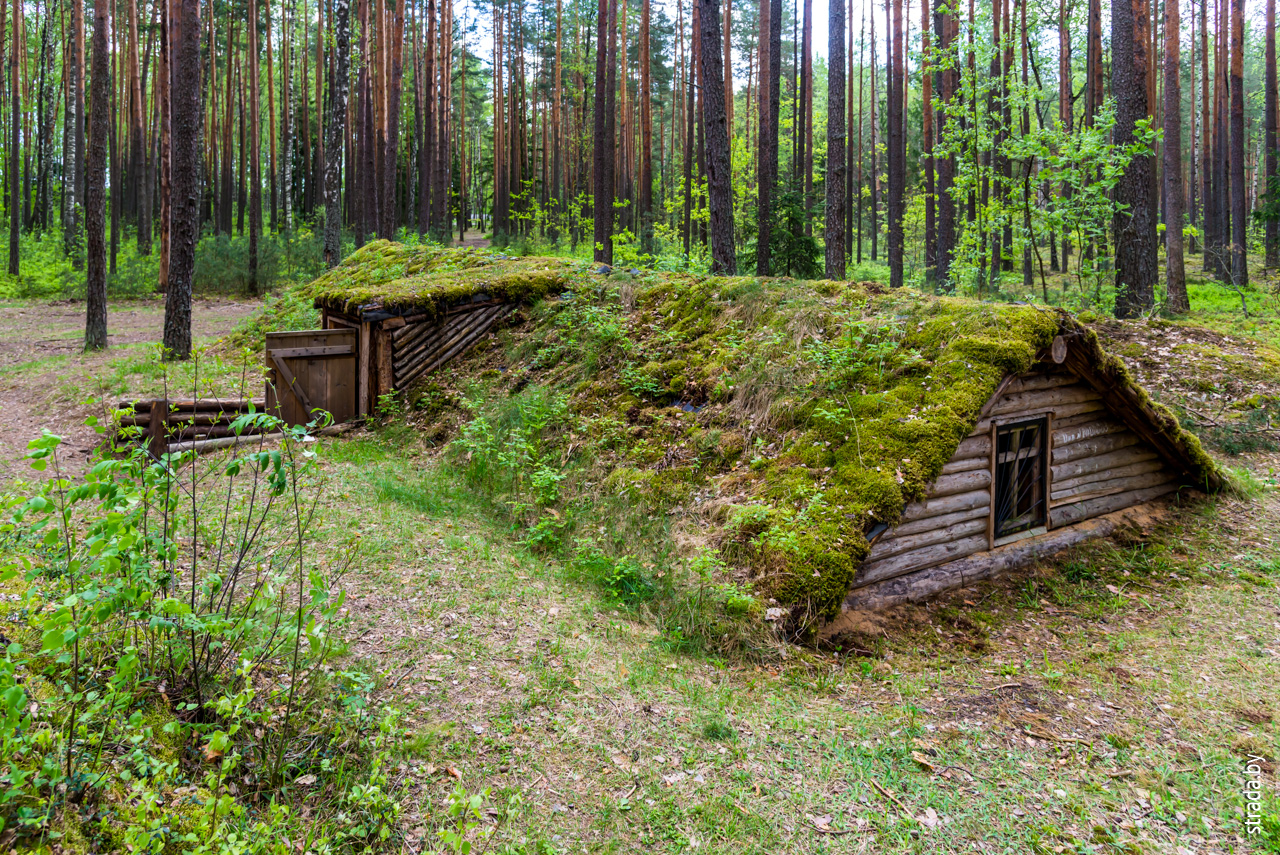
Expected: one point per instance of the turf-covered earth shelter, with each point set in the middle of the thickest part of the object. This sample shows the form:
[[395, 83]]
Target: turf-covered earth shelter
[[837, 444]]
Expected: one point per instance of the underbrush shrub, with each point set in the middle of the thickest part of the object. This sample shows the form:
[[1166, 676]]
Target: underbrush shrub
[[168, 680]]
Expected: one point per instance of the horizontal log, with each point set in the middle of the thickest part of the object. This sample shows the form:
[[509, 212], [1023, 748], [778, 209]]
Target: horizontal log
[[966, 464], [960, 482], [202, 405], [313, 352], [1085, 430], [1102, 462], [1042, 399], [1107, 474], [889, 546], [1066, 515], [1109, 487], [1061, 422], [930, 523], [946, 505], [918, 559], [1064, 411], [921, 585], [187, 418], [1094, 446], [1036, 382], [974, 446], [202, 445]]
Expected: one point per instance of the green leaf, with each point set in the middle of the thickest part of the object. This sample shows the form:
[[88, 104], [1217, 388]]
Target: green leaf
[[52, 639]]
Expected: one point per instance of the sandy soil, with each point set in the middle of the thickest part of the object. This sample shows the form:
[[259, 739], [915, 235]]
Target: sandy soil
[[40, 351]]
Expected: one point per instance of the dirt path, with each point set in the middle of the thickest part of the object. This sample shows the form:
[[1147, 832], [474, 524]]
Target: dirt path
[[43, 371], [473, 238]]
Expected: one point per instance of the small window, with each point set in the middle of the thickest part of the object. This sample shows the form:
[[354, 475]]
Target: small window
[[1021, 467]]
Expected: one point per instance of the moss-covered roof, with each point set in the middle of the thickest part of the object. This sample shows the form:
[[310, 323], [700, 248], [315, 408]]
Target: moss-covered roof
[[382, 277], [788, 417]]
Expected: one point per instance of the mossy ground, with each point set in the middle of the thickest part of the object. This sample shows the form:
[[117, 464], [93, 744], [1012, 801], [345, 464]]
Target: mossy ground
[[781, 419], [426, 279]]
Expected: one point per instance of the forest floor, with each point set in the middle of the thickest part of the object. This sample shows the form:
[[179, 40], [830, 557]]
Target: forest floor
[[1104, 703], [48, 382], [473, 238]]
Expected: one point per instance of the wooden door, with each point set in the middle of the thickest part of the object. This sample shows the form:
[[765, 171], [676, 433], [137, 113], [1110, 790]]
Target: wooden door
[[310, 370]]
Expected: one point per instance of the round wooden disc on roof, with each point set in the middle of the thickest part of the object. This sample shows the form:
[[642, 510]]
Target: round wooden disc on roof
[[1058, 350]]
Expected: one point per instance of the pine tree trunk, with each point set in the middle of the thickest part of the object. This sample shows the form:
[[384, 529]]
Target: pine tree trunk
[[337, 130], [1239, 204], [1221, 170], [833, 231], [897, 152], [557, 131], [95, 209], [690, 81], [646, 133], [271, 129], [857, 188], [443, 163], [716, 132], [185, 95], [14, 185], [1175, 278], [926, 149], [224, 206], [602, 192], [391, 156], [875, 159], [426, 160], [166, 143], [255, 154], [1272, 228], [75, 119], [768, 132], [946, 26], [1135, 226], [806, 96]]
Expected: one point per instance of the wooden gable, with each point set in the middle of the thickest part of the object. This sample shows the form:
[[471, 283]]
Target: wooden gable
[[1094, 449]]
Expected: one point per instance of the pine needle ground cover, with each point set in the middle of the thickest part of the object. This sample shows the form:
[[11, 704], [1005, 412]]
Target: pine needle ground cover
[[772, 422]]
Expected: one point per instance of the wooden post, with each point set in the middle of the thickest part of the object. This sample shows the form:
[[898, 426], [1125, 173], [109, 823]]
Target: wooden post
[[382, 363], [991, 517], [1048, 459], [157, 442], [362, 369]]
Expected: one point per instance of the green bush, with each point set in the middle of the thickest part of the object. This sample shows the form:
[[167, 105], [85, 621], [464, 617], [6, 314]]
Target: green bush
[[168, 661]]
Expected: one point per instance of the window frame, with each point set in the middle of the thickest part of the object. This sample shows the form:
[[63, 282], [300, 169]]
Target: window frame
[[1043, 524]]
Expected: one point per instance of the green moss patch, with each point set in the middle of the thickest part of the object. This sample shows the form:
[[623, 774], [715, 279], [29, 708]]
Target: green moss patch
[[778, 420], [427, 279]]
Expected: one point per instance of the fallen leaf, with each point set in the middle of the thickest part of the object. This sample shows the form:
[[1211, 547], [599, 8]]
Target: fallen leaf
[[923, 759], [929, 819]]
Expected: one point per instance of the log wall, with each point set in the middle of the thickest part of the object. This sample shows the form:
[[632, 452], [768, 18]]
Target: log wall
[[396, 352], [1097, 466]]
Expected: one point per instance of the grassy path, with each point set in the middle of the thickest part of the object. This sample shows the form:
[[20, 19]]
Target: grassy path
[[1109, 704]]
